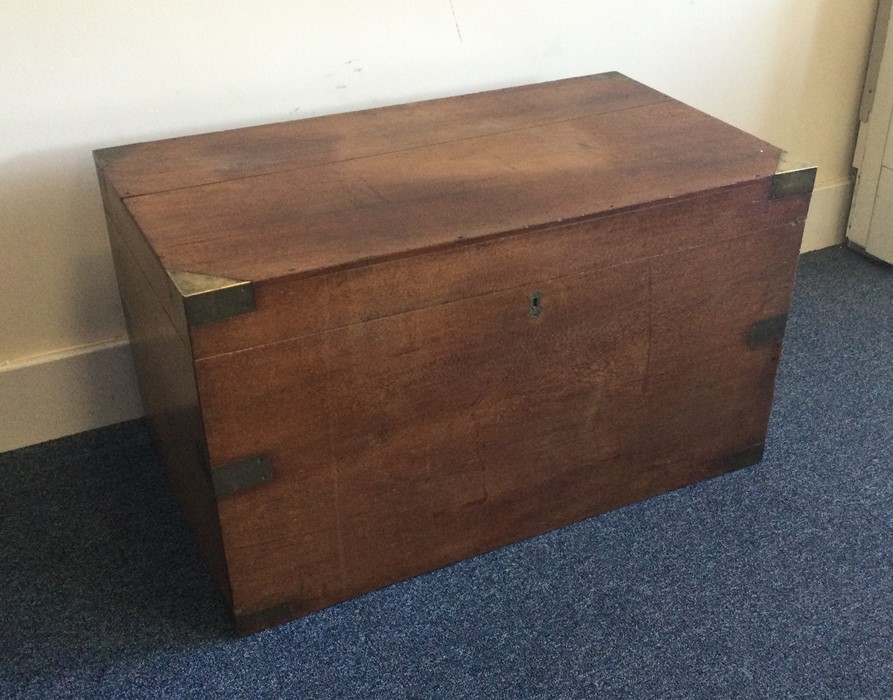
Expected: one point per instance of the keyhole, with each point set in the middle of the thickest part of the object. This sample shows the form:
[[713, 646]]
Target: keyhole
[[536, 305]]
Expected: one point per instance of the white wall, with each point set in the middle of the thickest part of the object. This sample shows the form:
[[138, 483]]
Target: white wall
[[78, 75]]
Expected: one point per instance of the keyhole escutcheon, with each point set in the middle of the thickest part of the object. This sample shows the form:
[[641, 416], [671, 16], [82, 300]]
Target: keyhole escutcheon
[[535, 308]]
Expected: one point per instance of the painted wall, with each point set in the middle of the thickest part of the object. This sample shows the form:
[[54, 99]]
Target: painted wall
[[78, 75]]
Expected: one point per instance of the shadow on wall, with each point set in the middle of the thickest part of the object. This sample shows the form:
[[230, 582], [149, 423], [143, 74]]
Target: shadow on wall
[[57, 282], [801, 115], [57, 276]]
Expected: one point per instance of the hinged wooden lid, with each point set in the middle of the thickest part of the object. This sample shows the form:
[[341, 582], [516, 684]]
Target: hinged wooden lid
[[303, 197]]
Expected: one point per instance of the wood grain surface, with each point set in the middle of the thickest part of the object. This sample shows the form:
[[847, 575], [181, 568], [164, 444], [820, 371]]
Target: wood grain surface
[[413, 410], [201, 159], [445, 173], [293, 307], [405, 443]]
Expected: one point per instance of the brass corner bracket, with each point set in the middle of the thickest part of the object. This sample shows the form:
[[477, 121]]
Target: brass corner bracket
[[248, 623], [208, 298], [792, 177], [744, 458], [766, 331], [241, 475]]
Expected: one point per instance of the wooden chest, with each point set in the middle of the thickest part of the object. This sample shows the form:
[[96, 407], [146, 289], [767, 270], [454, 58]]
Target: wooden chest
[[376, 343]]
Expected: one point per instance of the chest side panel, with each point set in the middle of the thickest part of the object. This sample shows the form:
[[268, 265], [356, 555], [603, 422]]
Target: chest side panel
[[416, 439], [166, 377]]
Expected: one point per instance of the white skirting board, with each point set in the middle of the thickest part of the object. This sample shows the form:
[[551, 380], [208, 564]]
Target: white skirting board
[[67, 392], [64, 393], [829, 210]]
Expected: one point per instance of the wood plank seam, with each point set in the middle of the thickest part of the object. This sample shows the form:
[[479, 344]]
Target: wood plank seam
[[408, 149], [484, 295]]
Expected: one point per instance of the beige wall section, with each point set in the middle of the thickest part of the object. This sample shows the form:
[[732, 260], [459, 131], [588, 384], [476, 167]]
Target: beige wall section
[[78, 76]]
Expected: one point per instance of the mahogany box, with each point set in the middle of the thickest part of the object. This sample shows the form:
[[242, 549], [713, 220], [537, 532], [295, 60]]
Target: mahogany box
[[372, 344]]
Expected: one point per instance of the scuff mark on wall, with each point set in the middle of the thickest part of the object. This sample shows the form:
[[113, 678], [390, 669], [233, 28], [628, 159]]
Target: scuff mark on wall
[[455, 21]]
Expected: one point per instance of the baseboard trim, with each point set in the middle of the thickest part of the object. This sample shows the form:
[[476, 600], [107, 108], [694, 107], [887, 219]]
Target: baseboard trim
[[62, 393], [828, 214]]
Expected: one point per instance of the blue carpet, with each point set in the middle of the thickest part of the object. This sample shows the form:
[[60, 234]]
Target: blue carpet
[[772, 582]]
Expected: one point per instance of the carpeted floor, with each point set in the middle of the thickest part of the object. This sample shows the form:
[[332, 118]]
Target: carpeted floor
[[772, 582]]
